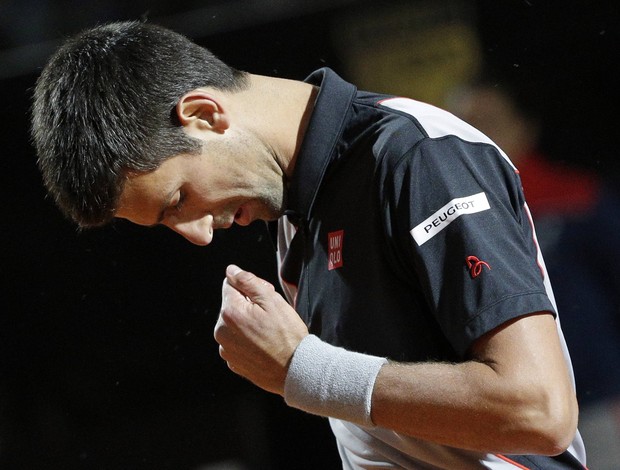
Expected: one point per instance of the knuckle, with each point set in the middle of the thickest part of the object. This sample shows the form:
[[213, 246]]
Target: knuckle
[[217, 334], [226, 315], [220, 328]]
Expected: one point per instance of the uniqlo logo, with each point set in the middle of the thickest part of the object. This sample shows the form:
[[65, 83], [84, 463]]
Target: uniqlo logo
[[334, 249]]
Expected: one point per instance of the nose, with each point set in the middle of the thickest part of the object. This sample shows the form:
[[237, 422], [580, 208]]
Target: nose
[[198, 231]]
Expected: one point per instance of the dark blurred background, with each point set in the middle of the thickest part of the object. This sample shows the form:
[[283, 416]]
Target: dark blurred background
[[107, 359]]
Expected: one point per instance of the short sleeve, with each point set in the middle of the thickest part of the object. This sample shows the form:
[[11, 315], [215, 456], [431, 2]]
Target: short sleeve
[[456, 217]]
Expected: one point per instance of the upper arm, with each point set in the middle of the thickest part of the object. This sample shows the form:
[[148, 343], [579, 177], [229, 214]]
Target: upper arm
[[528, 345]]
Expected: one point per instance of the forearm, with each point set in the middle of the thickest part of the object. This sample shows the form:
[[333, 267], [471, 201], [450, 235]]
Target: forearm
[[471, 406], [516, 397]]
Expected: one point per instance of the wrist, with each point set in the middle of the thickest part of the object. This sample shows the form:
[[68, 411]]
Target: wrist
[[330, 381]]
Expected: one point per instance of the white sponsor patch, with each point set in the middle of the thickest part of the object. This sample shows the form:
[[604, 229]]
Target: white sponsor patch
[[447, 214]]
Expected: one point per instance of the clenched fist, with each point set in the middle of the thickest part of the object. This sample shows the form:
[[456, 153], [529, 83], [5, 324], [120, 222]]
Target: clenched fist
[[257, 330]]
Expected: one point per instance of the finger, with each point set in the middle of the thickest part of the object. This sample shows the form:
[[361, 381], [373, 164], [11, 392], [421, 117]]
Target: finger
[[250, 285], [229, 292]]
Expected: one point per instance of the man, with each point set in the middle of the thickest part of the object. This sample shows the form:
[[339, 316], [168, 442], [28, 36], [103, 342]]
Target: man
[[423, 323]]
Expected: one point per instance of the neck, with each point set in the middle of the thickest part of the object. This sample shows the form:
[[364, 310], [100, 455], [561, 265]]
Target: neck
[[279, 111]]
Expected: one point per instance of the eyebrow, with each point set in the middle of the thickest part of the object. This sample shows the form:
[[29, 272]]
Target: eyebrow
[[164, 206]]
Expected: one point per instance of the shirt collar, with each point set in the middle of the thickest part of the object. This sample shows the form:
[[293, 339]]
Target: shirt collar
[[318, 148]]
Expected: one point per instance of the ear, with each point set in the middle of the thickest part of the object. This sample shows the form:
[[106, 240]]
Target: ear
[[200, 110]]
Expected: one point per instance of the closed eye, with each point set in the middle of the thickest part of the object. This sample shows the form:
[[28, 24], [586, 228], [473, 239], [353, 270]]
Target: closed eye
[[178, 204], [173, 207]]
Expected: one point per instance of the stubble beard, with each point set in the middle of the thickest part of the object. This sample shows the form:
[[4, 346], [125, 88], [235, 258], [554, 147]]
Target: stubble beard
[[274, 203]]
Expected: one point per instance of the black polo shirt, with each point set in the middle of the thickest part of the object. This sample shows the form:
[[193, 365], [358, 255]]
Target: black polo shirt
[[407, 237], [416, 240]]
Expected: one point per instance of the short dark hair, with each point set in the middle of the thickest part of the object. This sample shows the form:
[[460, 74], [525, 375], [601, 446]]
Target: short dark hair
[[104, 107]]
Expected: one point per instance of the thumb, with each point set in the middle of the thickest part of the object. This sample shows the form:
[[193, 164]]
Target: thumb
[[250, 285]]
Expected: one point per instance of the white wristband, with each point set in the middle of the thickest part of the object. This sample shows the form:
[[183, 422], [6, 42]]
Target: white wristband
[[330, 381]]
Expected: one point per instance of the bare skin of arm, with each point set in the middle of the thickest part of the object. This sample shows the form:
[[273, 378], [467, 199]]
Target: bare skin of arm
[[514, 395]]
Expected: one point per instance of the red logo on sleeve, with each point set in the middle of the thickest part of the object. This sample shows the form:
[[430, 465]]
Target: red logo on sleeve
[[475, 266], [334, 249]]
